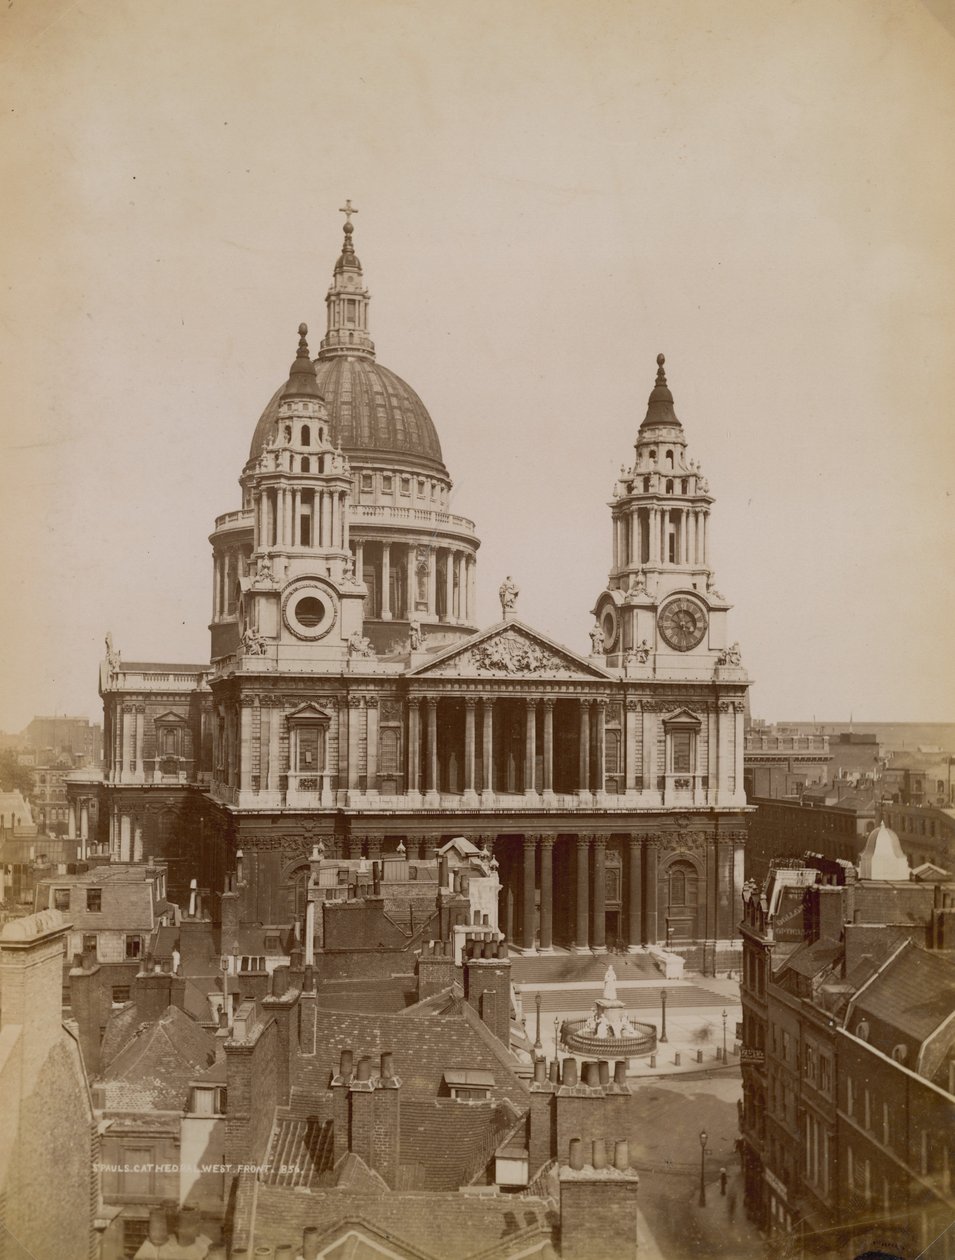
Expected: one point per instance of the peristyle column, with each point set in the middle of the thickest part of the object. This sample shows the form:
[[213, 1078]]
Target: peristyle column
[[548, 767], [530, 744], [634, 859], [583, 776], [431, 739], [547, 892], [599, 930], [470, 704], [487, 746], [582, 925], [528, 910], [386, 581]]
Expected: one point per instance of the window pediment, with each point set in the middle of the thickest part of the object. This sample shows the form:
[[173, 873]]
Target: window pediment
[[309, 713], [682, 717]]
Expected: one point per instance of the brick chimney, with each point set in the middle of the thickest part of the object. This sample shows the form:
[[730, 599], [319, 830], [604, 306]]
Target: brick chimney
[[598, 1201], [361, 1100], [542, 1121], [91, 1003], [435, 969], [153, 991], [31, 980], [487, 987], [386, 1135], [591, 1105]]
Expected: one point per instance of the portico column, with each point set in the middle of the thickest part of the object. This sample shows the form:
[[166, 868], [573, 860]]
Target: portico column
[[599, 740], [84, 820], [414, 746], [431, 764], [354, 708], [530, 744], [470, 704], [137, 840], [487, 746], [583, 775], [599, 930], [360, 560], [631, 720], [650, 891], [140, 722], [386, 581], [547, 892], [528, 909], [71, 822], [548, 767], [471, 567], [633, 892], [582, 925]]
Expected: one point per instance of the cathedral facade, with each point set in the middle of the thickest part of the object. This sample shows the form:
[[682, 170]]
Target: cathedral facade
[[351, 699]]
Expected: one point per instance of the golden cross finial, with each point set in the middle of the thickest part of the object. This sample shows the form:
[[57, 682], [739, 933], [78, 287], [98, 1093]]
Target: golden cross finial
[[348, 210]]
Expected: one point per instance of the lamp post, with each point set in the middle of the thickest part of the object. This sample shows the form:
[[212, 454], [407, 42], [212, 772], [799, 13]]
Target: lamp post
[[556, 1035], [538, 1044], [724, 1036], [702, 1163], [663, 1014]]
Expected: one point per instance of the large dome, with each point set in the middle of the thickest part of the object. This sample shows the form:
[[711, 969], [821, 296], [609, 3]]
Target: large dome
[[372, 412]]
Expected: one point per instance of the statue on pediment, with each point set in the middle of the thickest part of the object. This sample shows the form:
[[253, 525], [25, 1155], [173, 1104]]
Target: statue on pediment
[[508, 593]]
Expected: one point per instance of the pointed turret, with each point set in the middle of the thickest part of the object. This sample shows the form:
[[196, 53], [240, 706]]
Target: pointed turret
[[347, 303], [302, 381]]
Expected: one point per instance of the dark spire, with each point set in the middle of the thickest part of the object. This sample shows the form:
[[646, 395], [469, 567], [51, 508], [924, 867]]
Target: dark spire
[[660, 403], [302, 381]]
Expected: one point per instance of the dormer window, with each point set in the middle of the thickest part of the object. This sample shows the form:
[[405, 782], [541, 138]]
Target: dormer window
[[469, 1084], [208, 1100]]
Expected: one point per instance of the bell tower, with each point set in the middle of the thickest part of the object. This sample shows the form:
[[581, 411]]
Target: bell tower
[[661, 608], [300, 603]]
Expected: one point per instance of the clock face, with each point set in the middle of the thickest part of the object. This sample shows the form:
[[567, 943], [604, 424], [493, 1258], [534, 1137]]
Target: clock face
[[682, 624]]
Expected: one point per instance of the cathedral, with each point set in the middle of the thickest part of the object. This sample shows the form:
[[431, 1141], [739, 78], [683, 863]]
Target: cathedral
[[351, 702]]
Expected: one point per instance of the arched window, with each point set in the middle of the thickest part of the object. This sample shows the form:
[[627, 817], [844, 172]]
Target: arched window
[[646, 485], [306, 464], [669, 486], [684, 486], [669, 459], [678, 887], [653, 454], [306, 435]]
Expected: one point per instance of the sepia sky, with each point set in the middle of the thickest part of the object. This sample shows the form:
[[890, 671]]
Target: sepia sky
[[550, 192]]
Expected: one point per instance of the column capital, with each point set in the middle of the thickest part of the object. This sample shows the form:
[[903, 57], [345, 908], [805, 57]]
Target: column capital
[[431, 701], [635, 841], [547, 839], [599, 843], [583, 842], [548, 702], [531, 701], [470, 702], [371, 702], [530, 838], [354, 702]]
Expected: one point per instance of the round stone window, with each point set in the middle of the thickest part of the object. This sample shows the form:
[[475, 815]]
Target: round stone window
[[309, 610]]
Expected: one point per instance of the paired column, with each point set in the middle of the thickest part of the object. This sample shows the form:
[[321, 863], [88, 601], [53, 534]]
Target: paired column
[[650, 855], [411, 582], [547, 892], [599, 929], [449, 586], [431, 740], [530, 744], [583, 776], [548, 768], [601, 706], [71, 821], [371, 743], [245, 747], [582, 925], [528, 908], [634, 891], [470, 705], [359, 560], [432, 582], [487, 746]]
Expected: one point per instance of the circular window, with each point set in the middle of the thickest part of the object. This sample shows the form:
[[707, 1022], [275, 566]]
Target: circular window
[[608, 624], [309, 610]]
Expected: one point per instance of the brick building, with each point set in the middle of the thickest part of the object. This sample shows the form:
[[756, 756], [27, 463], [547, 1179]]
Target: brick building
[[848, 986], [350, 698], [779, 829], [926, 833], [49, 1193], [781, 762]]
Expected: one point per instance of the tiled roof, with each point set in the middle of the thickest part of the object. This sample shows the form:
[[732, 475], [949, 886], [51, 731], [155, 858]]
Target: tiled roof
[[913, 993], [811, 960], [154, 1068], [418, 1225]]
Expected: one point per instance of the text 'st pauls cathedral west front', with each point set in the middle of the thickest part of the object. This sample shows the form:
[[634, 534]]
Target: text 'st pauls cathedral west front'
[[352, 708]]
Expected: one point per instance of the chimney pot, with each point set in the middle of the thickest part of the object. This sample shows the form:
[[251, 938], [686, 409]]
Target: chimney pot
[[599, 1153], [569, 1072], [591, 1073], [346, 1064], [280, 981], [576, 1153], [310, 1242], [188, 1230], [540, 1071], [387, 1065], [502, 948], [284, 1251], [555, 1071], [158, 1226], [621, 1155], [364, 1069], [620, 1072], [223, 1018], [603, 1069]]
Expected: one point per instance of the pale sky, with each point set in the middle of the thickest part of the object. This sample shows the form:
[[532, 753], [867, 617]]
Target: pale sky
[[550, 192]]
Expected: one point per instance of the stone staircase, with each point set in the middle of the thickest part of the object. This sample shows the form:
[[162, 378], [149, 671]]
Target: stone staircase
[[564, 968]]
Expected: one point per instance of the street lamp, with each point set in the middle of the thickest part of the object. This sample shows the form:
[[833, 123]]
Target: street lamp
[[538, 1044], [702, 1159], [556, 1034], [724, 1036], [663, 1014]]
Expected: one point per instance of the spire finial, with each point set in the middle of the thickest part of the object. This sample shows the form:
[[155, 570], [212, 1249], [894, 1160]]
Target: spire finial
[[302, 343], [661, 375], [348, 210]]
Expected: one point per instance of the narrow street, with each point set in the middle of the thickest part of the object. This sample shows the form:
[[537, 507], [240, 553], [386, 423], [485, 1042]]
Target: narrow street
[[675, 1225]]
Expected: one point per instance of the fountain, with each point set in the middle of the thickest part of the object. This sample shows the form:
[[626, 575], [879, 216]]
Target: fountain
[[608, 1030]]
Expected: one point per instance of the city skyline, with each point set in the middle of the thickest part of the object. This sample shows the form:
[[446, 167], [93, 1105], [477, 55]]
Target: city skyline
[[537, 220]]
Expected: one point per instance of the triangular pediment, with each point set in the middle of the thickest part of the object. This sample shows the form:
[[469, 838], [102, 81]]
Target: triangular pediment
[[684, 716], [509, 650], [309, 712], [169, 716]]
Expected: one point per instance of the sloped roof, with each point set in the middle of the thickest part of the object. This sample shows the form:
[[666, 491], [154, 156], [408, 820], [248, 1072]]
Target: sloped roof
[[154, 1068], [913, 993]]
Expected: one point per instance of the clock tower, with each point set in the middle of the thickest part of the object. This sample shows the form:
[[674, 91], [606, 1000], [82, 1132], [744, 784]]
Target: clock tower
[[661, 611]]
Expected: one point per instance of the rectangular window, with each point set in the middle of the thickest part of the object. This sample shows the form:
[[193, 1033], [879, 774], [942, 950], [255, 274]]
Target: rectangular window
[[405, 485], [134, 946], [825, 1079], [305, 529], [386, 482], [61, 899], [367, 483], [94, 900], [681, 749], [120, 994], [89, 943]]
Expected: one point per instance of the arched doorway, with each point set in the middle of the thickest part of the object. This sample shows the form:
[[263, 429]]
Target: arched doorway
[[682, 901]]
